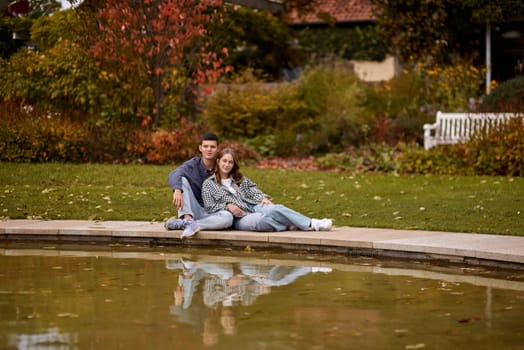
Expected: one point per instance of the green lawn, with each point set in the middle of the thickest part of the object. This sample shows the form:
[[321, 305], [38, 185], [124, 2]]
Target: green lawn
[[141, 192]]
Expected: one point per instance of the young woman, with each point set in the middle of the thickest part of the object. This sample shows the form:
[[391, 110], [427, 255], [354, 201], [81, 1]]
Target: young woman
[[252, 210]]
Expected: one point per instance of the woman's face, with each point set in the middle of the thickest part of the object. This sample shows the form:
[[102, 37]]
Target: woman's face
[[225, 164]]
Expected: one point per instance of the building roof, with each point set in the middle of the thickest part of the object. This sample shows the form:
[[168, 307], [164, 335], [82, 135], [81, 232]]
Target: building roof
[[339, 10]]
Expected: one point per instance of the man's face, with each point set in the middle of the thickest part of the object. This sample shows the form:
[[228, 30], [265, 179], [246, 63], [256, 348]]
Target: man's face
[[209, 149]]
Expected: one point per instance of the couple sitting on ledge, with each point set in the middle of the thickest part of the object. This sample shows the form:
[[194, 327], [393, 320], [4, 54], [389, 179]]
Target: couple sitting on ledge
[[210, 193]]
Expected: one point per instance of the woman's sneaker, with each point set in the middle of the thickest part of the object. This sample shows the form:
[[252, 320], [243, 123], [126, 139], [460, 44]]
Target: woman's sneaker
[[189, 226], [321, 225], [190, 229]]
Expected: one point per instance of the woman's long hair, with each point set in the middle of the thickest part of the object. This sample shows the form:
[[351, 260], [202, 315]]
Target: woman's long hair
[[235, 171]]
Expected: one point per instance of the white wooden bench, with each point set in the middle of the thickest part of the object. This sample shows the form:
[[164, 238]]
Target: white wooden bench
[[451, 128]]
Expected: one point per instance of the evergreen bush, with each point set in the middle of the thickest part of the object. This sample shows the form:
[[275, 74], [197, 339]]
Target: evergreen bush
[[375, 158], [358, 43], [334, 95], [507, 97], [266, 116]]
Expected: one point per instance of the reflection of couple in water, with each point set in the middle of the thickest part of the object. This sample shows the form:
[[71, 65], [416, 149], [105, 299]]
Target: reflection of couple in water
[[224, 286]]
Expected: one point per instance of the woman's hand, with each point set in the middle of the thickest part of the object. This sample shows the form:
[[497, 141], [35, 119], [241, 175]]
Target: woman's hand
[[236, 211], [266, 201]]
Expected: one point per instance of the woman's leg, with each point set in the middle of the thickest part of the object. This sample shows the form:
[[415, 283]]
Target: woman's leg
[[253, 222], [284, 217]]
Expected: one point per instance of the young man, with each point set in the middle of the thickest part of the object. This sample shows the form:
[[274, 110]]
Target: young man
[[186, 183]]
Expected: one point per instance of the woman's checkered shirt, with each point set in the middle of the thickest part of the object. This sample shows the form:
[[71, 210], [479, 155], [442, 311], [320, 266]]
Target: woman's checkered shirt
[[216, 197]]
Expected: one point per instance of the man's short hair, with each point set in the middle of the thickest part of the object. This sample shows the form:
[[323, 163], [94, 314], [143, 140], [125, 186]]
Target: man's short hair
[[209, 137]]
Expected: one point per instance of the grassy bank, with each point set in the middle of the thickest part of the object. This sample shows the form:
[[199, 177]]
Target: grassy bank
[[133, 192]]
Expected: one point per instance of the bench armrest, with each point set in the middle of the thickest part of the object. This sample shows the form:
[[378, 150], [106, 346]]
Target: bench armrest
[[428, 142], [429, 127]]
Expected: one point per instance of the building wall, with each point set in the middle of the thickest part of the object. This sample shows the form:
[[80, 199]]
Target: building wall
[[375, 71]]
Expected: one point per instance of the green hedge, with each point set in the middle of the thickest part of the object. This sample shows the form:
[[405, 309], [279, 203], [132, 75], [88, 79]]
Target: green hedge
[[507, 97]]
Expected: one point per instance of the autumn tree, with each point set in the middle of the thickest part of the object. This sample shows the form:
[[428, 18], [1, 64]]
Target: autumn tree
[[432, 29], [16, 19], [489, 11], [415, 29], [157, 46]]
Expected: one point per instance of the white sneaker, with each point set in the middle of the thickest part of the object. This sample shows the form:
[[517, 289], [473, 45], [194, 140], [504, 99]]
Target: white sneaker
[[321, 225]]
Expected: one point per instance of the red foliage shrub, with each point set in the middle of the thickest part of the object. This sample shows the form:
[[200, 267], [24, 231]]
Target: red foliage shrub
[[307, 163], [29, 136], [174, 146], [245, 154], [385, 130]]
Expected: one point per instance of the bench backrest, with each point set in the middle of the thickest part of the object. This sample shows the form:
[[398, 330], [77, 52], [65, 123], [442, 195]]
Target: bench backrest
[[450, 128], [460, 126]]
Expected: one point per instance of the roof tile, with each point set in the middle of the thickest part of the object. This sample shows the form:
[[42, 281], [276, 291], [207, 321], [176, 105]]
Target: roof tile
[[340, 10]]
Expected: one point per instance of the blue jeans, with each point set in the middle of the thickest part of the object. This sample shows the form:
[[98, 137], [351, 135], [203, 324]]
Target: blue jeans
[[272, 217], [216, 221], [253, 222], [282, 217]]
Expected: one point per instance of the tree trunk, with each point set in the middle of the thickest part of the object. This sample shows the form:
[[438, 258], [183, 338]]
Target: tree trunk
[[159, 96]]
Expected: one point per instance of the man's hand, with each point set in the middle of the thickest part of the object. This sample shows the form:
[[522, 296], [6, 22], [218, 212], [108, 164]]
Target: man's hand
[[178, 200]]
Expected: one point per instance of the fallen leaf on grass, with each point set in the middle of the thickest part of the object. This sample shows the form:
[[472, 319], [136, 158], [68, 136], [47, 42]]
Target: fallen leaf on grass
[[470, 319], [400, 331]]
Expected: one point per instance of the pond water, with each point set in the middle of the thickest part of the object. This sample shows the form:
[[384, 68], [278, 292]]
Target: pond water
[[81, 297]]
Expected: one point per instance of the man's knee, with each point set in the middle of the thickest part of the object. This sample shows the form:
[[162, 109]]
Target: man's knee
[[185, 185]]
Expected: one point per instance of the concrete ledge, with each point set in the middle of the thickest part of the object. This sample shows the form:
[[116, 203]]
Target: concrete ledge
[[470, 248]]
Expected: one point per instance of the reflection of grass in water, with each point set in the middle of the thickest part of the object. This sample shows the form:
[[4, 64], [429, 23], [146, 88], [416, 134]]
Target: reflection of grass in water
[[138, 192]]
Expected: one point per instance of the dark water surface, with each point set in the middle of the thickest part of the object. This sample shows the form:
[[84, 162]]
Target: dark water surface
[[81, 297]]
